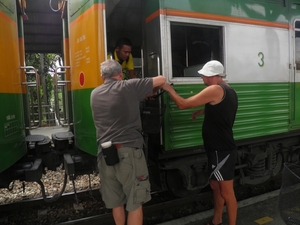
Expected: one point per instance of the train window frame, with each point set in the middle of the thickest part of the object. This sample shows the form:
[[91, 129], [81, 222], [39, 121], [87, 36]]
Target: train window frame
[[198, 23], [297, 31]]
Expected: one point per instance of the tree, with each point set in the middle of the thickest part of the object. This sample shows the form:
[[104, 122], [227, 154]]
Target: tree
[[45, 64]]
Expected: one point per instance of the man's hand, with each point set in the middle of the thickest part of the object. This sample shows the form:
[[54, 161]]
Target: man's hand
[[151, 97], [167, 87], [197, 113]]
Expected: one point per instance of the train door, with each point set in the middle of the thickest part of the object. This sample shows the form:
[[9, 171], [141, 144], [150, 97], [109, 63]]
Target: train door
[[153, 43], [296, 76]]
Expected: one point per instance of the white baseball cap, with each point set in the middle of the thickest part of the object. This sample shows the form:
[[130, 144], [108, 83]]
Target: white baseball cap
[[212, 68]]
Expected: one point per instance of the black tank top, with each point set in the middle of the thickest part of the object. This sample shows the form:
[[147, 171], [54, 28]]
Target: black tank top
[[218, 122]]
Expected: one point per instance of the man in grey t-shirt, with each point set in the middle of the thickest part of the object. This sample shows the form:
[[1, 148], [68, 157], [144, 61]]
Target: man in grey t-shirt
[[115, 108]]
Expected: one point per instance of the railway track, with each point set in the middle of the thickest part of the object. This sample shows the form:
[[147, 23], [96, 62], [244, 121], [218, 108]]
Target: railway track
[[89, 209], [37, 202]]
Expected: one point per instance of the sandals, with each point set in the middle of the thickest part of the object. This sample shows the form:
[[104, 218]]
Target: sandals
[[211, 223]]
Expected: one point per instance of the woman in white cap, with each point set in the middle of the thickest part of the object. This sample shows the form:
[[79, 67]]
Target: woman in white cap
[[221, 104]]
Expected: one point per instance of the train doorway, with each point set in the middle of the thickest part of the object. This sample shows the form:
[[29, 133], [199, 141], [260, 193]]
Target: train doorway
[[42, 113], [124, 19], [296, 76]]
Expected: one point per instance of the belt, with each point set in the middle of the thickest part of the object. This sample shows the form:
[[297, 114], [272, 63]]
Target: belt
[[118, 146]]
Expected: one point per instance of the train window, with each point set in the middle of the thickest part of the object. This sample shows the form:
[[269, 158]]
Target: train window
[[192, 46], [297, 44]]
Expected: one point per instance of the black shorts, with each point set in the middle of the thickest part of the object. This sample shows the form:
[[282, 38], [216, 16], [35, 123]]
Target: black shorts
[[221, 165]]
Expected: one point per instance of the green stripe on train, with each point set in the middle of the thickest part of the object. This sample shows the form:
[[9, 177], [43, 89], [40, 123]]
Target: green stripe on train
[[258, 9], [264, 109], [84, 128], [12, 133], [8, 7], [78, 7]]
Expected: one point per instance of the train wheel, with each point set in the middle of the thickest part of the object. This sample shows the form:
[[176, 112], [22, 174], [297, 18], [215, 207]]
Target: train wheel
[[174, 181]]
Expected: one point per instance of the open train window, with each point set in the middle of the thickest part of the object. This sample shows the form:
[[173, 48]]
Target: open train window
[[194, 45]]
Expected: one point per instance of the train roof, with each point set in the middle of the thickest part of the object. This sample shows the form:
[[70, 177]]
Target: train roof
[[42, 27]]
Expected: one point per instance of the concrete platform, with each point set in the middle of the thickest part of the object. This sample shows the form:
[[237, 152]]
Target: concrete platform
[[259, 210]]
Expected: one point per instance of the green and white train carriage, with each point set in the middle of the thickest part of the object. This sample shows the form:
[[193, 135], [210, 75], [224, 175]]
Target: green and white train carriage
[[257, 41]]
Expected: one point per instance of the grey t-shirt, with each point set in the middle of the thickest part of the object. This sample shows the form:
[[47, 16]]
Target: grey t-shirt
[[116, 112]]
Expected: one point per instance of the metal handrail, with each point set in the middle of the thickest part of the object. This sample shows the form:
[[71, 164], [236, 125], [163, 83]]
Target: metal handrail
[[61, 83], [152, 56], [32, 84]]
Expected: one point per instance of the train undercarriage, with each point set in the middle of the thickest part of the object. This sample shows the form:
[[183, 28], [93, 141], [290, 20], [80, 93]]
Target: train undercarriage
[[257, 162], [182, 175]]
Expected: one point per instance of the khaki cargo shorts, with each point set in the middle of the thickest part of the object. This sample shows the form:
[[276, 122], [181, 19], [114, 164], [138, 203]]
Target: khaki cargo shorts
[[126, 182]]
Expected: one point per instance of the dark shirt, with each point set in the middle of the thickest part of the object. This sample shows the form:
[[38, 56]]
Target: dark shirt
[[218, 122]]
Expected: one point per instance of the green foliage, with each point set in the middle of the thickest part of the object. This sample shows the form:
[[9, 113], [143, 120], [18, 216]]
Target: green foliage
[[45, 64], [47, 69]]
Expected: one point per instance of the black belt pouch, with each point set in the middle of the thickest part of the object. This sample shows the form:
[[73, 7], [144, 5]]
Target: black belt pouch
[[111, 155]]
